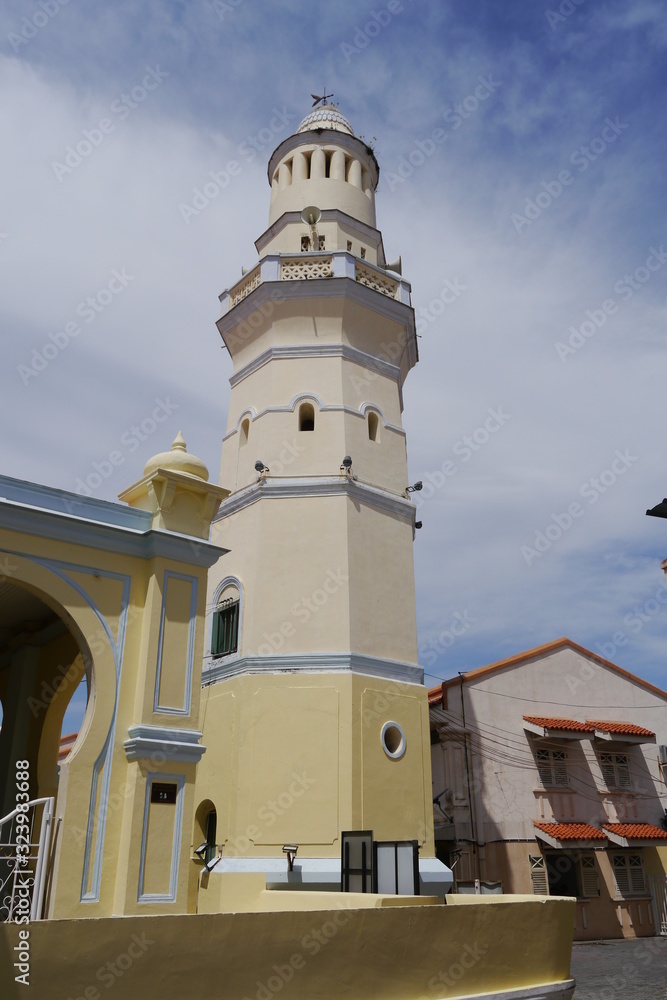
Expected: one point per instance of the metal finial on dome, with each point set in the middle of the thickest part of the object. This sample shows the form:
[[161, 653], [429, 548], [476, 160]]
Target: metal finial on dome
[[321, 100], [178, 444]]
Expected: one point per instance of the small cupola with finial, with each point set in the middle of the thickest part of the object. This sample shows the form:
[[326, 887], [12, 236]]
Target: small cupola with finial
[[175, 489]]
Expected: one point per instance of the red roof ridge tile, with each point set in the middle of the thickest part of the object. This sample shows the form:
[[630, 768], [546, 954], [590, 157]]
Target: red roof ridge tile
[[571, 831], [636, 831], [550, 722], [629, 728], [550, 647]]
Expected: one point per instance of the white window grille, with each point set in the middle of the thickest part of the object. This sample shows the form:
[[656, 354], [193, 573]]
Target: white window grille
[[628, 872], [552, 768], [615, 769], [538, 875]]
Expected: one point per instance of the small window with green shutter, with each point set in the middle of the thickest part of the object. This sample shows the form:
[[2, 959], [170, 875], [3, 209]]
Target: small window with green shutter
[[225, 637]]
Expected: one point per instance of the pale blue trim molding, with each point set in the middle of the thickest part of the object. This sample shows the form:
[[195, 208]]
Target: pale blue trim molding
[[179, 746], [47, 498], [158, 897], [330, 288], [374, 408], [314, 663], [76, 529], [249, 411], [288, 352], [271, 487], [184, 709], [302, 397], [435, 878], [328, 215]]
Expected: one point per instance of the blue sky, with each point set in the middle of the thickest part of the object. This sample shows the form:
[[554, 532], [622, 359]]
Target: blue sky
[[533, 234]]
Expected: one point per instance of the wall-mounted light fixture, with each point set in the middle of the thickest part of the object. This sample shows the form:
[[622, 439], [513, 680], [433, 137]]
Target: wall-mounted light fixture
[[290, 850]]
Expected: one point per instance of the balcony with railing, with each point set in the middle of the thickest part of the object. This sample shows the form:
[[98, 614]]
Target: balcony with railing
[[309, 265]]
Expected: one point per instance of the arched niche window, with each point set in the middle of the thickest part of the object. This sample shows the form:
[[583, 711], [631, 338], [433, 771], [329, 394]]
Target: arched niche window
[[206, 830], [306, 417], [225, 633], [373, 426], [245, 431]]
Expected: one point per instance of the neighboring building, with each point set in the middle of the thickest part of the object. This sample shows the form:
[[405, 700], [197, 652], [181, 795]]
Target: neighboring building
[[547, 778]]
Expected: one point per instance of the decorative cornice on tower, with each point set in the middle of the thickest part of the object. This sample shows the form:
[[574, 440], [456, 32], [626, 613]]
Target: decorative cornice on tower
[[369, 233], [279, 488]]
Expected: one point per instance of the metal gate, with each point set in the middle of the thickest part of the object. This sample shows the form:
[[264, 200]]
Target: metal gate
[[658, 885], [25, 836]]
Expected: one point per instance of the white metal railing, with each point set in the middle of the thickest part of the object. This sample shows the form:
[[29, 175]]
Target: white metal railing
[[25, 836]]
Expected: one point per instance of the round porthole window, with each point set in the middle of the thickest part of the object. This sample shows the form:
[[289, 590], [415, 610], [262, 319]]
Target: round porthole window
[[393, 740]]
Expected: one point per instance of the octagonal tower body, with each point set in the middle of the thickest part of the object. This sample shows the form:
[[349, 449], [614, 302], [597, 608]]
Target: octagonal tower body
[[316, 720]]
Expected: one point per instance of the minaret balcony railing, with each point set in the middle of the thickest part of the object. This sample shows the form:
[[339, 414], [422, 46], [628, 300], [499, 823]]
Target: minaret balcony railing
[[310, 265], [247, 285], [376, 279], [305, 266]]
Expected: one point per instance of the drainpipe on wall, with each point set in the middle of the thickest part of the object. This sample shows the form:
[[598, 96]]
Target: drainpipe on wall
[[471, 806]]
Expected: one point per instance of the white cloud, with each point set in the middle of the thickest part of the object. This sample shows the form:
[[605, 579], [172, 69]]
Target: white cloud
[[451, 220]]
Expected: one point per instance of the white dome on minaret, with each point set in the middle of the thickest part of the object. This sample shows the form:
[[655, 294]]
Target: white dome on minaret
[[326, 116]]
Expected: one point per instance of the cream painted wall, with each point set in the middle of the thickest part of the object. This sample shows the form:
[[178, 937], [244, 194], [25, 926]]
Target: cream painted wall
[[296, 758]]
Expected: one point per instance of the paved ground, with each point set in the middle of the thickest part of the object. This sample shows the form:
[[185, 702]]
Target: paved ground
[[621, 970]]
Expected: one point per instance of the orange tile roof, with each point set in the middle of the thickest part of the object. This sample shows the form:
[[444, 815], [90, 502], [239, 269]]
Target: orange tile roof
[[571, 831], [66, 744], [435, 695], [551, 647], [636, 831], [622, 728], [569, 724]]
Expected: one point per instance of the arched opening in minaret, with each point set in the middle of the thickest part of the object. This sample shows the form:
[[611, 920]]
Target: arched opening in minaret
[[306, 417], [245, 431], [373, 426]]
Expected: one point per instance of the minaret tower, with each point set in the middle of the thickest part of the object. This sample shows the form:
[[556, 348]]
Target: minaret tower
[[314, 714]]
